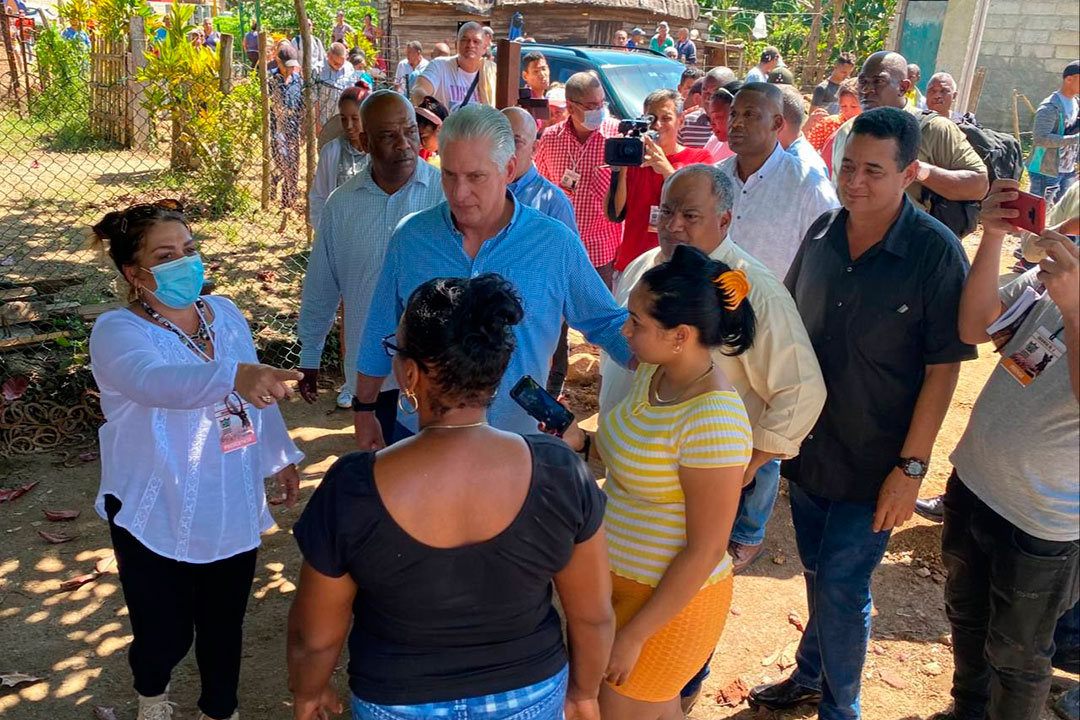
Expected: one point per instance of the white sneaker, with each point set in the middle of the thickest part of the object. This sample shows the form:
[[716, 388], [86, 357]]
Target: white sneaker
[[344, 398], [234, 716], [157, 707]]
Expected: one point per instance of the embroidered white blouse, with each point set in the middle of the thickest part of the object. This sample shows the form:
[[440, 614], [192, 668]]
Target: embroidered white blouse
[[161, 456]]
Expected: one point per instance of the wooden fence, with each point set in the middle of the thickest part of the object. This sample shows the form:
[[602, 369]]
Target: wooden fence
[[116, 99]]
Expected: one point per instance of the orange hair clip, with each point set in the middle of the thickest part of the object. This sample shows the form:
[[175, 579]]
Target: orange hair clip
[[735, 286]]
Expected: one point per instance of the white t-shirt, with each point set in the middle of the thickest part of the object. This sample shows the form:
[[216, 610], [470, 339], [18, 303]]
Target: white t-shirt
[[404, 70], [450, 82]]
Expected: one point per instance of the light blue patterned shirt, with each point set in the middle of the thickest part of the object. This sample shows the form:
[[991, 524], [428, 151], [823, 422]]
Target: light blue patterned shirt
[[539, 193], [540, 256], [347, 256]]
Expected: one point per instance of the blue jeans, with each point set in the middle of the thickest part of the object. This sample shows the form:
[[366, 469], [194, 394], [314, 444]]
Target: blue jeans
[[1040, 184], [839, 551], [540, 701], [1067, 641], [756, 505]]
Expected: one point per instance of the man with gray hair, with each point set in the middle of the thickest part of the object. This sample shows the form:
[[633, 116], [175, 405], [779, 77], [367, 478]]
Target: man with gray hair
[[331, 80], [941, 94], [413, 62], [696, 129], [480, 229], [460, 79], [791, 136], [778, 378]]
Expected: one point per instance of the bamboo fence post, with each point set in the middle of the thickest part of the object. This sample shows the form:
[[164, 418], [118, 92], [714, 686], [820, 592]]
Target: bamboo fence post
[[838, 7], [309, 112], [264, 93], [26, 66], [225, 51], [140, 117], [1016, 117]]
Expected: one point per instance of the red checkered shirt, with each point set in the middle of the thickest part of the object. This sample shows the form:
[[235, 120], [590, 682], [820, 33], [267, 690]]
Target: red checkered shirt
[[559, 150]]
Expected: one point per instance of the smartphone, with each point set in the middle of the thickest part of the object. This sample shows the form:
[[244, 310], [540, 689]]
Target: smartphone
[[1032, 209], [536, 401]]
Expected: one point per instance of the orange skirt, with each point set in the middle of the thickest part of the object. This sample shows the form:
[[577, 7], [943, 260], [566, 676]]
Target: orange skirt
[[675, 653]]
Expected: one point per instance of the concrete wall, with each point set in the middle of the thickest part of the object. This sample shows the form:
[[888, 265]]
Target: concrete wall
[[1025, 45]]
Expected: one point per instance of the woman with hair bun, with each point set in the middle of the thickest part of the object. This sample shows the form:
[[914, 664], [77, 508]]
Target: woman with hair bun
[[675, 449], [441, 549], [191, 431]]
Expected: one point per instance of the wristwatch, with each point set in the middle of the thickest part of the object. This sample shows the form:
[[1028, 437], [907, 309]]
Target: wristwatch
[[914, 468], [358, 406]]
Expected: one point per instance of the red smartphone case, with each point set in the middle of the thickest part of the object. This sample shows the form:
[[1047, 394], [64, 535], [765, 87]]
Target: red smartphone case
[[1032, 212]]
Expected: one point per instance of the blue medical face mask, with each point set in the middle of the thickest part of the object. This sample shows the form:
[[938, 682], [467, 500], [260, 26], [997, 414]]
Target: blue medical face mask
[[179, 281]]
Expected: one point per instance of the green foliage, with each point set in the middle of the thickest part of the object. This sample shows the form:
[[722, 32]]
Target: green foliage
[[181, 80], [114, 16], [862, 28], [281, 14], [76, 12], [225, 132], [63, 107]]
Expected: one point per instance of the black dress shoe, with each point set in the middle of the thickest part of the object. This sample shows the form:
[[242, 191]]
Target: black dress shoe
[[933, 509], [782, 695]]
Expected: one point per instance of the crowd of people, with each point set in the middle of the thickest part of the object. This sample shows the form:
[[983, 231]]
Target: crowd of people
[[774, 295]]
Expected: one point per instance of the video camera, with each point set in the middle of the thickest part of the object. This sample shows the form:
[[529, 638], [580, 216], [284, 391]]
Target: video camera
[[628, 150], [537, 107]]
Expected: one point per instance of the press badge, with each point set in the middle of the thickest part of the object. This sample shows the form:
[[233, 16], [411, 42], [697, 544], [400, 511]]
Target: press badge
[[570, 179], [234, 424], [1039, 352], [654, 217]]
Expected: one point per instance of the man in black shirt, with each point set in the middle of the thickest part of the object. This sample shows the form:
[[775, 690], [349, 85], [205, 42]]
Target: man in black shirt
[[878, 286], [826, 91]]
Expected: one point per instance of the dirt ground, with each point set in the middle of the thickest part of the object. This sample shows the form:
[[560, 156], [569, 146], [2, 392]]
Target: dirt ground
[[76, 641]]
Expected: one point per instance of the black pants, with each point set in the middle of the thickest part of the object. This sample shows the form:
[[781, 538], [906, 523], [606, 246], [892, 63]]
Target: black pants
[[1005, 593], [386, 413], [171, 603]]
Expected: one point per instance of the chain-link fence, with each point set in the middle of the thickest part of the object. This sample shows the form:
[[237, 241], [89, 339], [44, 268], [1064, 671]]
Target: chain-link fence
[[93, 124]]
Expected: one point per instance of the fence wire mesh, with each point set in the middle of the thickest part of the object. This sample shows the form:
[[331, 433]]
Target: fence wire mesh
[[86, 128]]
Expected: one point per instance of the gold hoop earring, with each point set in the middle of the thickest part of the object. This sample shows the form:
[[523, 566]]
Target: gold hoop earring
[[678, 349], [411, 397]]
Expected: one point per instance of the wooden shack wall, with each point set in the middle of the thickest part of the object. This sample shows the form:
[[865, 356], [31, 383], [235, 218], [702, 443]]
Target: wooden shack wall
[[432, 23]]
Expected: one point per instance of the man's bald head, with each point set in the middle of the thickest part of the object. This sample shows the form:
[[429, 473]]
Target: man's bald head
[[883, 81], [440, 50], [382, 102], [716, 78], [524, 127], [941, 93]]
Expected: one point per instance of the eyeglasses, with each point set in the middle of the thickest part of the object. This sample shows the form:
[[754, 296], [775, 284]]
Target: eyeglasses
[[390, 348], [588, 106]]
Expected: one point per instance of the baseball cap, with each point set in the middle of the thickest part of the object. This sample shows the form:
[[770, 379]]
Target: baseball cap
[[1071, 69], [292, 63], [781, 76], [636, 31]]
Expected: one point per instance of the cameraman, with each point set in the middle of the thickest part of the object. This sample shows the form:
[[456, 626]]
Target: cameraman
[[634, 192]]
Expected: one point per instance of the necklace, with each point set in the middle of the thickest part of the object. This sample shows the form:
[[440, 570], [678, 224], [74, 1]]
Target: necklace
[[662, 401], [454, 427], [201, 339]]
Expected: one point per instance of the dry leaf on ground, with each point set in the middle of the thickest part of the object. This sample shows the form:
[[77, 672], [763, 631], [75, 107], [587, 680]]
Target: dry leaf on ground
[[76, 583], [787, 657], [56, 538], [8, 494], [733, 694], [60, 515], [14, 679], [795, 620]]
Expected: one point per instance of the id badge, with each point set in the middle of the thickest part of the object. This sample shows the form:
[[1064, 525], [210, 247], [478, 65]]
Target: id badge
[[1039, 352], [234, 424], [570, 180], [654, 217]]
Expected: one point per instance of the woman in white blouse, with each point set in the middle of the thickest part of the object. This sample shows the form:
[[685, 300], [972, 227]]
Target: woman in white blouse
[[342, 157], [191, 431]]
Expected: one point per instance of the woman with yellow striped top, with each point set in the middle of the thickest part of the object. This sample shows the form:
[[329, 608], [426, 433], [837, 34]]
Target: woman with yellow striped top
[[675, 451]]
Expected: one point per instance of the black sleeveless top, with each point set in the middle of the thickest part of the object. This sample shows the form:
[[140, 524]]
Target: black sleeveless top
[[433, 624]]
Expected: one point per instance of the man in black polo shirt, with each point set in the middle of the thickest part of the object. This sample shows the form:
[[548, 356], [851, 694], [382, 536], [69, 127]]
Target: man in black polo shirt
[[878, 286]]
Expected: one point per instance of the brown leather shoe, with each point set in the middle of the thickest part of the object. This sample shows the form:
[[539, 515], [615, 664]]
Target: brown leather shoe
[[742, 556]]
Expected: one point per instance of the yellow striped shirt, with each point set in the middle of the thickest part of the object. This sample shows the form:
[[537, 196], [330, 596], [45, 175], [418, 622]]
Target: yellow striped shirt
[[643, 446]]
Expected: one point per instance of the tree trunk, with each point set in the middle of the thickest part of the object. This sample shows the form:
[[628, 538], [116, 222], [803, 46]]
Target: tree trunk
[[809, 74]]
